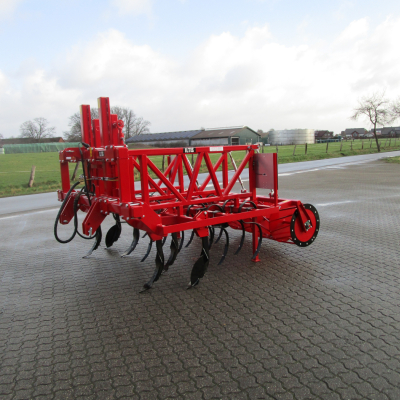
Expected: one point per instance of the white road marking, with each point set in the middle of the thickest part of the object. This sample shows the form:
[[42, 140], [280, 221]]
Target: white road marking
[[334, 203], [31, 213]]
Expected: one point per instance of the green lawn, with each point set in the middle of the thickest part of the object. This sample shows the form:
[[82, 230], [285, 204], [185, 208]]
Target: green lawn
[[15, 168]]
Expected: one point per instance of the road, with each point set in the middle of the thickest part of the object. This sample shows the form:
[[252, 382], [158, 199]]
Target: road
[[320, 322], [43, 201]]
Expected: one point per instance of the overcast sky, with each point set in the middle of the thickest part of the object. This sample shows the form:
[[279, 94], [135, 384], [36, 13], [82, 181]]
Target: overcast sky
[[186, 64]]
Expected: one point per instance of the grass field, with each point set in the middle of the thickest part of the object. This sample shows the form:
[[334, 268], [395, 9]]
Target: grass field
[[15, 168], [393, 160]]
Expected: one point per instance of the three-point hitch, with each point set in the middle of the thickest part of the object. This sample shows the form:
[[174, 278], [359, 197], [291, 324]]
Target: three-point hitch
[[163, 203]]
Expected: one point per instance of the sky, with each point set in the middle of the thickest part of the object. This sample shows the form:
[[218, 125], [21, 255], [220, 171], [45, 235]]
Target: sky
[[186, 64]]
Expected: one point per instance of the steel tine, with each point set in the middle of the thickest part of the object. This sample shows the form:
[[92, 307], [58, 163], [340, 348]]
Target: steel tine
[[144, 235], [174, 251], [219, 236], [212, 234], [259, 241], [226, 246], [163, 241], [134, 243], [182, 240], [148, 251], [201, 265], [159, 267], [191, 238], [242, 239], [96, 242]]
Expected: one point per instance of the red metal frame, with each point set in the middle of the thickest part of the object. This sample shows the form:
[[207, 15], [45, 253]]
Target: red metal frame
[[163, 204]]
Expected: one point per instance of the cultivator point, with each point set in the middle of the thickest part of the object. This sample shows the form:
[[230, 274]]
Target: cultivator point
[[163, 203]]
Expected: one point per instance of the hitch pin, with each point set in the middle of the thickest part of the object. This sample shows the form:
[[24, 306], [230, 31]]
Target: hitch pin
[[90, 231]]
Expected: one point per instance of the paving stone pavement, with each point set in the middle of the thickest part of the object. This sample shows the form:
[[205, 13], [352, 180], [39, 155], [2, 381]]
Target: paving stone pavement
[[304, 323]]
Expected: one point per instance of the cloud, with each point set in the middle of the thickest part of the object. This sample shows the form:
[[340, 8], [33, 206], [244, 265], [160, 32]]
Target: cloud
[[228, 80], [7, 7], [134, 7]]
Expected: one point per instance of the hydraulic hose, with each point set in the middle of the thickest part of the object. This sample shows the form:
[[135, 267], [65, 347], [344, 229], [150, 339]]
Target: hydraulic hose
[[76, 216], [59, 214]]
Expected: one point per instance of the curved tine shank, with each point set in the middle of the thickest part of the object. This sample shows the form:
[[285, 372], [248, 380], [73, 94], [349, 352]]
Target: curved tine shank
[[212, 234], [144, 235], [242, 239], [226, 246], [191, 238], [201, 265], [220, 234], [96, 243], [159, 267], [164, 239], [148, 251], [174, 251], [182, 240], [134, 243], [259, 241]]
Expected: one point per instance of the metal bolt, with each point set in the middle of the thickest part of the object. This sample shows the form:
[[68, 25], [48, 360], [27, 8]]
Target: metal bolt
[[111, 146], [65, 221], [106, 159], [101, 211], [112, 159], [126, 205], [127, 218], [106, 213]]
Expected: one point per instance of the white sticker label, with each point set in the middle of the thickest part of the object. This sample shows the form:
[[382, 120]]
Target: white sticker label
[[220, 148], [189, 150]]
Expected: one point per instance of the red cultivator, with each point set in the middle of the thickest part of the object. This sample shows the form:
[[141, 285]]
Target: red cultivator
[[163, 203]]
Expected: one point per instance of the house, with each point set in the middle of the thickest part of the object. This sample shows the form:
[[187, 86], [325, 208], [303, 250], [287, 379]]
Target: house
[[323, 135], [354, 133], [392, 131]]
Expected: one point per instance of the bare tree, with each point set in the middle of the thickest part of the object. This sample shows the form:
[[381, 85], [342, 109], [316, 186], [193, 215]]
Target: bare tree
[[133, 125], [377, 109], [37, 129], [396, 109], [74, 134]]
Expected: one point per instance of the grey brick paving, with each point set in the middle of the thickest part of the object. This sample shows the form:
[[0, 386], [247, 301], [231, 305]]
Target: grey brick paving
[[314, 323]]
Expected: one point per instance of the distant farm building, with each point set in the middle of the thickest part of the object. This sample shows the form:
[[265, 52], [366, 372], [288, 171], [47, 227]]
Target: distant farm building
[[200, 137]]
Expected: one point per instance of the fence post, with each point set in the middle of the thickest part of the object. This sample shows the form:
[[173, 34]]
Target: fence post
[[163, 163], [276, 148], [32, 177], [341, 144], [370, 144], [390, 141], [362, 144], [306, 149], [351, 145], [327, 144], [294, 151]]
